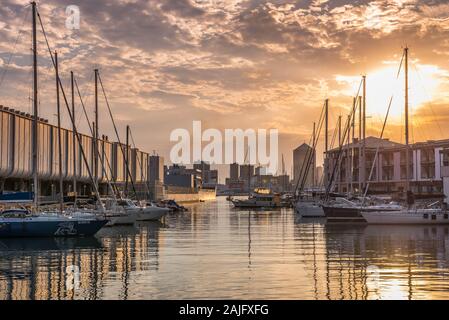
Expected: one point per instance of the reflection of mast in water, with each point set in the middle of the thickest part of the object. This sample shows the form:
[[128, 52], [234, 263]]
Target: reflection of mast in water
[[410, 285], [328, 293], [249, 240], [93, 269], [315, 268], [125, 272]]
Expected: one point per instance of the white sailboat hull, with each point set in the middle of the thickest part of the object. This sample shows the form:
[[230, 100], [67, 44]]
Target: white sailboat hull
[[309, 209], [121, 218], [424, 216], [152, 213]]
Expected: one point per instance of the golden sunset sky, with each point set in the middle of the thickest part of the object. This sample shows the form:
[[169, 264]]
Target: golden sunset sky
[[236, 64]]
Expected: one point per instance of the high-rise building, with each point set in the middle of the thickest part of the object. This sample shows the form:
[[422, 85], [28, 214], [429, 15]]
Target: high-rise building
[[234, 171], [156, 172], [301, 155], [203, 166], [156, 177], [246, 171]]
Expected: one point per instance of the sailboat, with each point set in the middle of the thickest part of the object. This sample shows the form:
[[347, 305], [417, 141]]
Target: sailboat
[[348, 209], [124, 209], [21, 222], [407, 215], [307, 205]]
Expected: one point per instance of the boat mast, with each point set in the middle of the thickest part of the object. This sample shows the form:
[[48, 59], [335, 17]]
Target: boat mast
[[249, 172], [313, 170], [96, 129], [354, 108], [348, 157], [363, 177], [407, 182], [58, 106], [361, 167], [72, 82], [127, 160], [35, 111], [326, 126], [339, 130]]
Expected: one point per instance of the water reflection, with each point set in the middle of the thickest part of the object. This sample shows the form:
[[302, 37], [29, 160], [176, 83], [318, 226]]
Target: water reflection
[[214, 251]]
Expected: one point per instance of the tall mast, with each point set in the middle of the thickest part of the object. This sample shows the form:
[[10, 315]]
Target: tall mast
[[407, 182], [326, 126], [348, 156], [353, 114], [127, 160], [339, 131], [361, 142], [58, 106], [96, 129], [249, 172], [313, 150], [72, 81], [35, 109], [364, 133]]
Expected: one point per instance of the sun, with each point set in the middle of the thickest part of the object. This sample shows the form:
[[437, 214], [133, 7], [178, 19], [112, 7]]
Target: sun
[[383, 83]]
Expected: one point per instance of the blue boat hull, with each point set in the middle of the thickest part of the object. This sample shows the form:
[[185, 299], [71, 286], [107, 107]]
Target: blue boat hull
[[19, 229]]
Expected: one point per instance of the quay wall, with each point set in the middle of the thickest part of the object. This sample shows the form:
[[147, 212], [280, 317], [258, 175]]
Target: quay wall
[[185, 197]]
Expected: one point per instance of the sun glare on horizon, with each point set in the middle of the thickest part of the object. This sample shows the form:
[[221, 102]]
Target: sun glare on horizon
[[383, 83]]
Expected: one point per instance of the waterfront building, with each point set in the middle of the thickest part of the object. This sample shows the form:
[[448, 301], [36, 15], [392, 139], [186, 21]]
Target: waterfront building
[[209, 177], [16, 158], [428, 161], [179, 176], [156, 177]]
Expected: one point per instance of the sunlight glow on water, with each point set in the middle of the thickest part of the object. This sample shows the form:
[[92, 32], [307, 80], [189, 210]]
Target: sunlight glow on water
[[215, 251]]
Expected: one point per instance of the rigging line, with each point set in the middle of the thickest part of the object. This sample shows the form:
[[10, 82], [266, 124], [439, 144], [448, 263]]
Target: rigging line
[[340, 152], [302, 166], [118, 136], [71, 117], [312, 153], [301, 172], [83, 96], [92, 133], [14, 51], [377, 152], [381, 136], [340, 149], [429, 97]]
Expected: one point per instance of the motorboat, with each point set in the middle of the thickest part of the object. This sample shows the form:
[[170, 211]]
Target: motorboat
[[150, 212], [258, 200], [309, 208], [23, 223], [172, 205]]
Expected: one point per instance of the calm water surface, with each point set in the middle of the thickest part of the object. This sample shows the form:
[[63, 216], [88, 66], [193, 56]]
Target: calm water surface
[[214, 251]]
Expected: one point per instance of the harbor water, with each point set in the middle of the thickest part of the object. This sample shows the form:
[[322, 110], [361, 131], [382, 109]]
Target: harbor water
[[215, 251]]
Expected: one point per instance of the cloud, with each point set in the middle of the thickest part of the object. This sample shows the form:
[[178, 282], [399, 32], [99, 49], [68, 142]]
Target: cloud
[[230, 63]]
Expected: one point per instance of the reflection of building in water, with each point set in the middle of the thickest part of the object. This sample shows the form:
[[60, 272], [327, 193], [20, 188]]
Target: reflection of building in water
[[375, 262], [39, 271]]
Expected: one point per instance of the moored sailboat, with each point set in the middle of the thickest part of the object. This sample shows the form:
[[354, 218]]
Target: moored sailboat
[[21, 222], [407, 215]]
